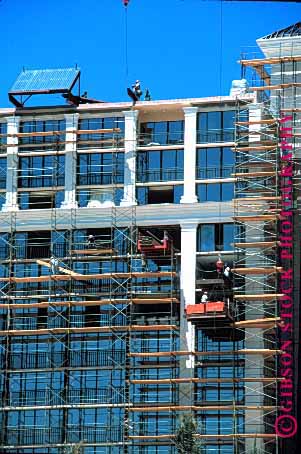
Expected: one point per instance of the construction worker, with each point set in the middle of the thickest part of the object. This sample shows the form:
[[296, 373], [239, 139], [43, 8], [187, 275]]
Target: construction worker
[[54, 263], [91, 241], [137, 89], [204, 297], [147, 96], [227, 271], [219, 266]]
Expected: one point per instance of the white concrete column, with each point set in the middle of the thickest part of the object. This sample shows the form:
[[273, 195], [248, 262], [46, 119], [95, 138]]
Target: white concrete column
[[130, 147], [70, 161], [187, 329], [189, 195], [187, 282], [11, 201]]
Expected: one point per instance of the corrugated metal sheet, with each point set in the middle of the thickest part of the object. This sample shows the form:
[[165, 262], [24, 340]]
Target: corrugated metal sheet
[[45, 79]]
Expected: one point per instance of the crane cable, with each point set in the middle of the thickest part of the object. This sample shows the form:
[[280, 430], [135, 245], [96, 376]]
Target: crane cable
[[126, 60]]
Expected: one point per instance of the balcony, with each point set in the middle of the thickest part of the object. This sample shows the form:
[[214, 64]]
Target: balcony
[[99, 178], [171, 174], [208, 173], [215, 136], [86, 358], [40, 181], [53, 435]]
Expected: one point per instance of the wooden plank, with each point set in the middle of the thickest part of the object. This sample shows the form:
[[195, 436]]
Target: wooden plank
[[267, 121], [162, 381], [97, 131], [256, 198], [89, 303], [155, 300], [94, 329], [276, 87], [263, 351], [37, 134], [92, 251], [256, 148], [269, 61], [60, 268], [259, 297], [257, 323], [167, 408], [87, 277], [253, 174], [255, 270], [262, 244], [262, 217], [62, 304], [205, 436]]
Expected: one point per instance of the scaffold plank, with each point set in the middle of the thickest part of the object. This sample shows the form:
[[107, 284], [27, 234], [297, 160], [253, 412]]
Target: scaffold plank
[[258, 244], [277, 86], [257, 323], [262, 351], [256, 148], [89, 303], [269, 60], [256, 198], [259, 297], [92, 251], [162, 408], [259, 217], [254, 174], [90, 329], [205, 436], [60, 268], [162, 381], [266, 121], [257, 270], [87, 277]]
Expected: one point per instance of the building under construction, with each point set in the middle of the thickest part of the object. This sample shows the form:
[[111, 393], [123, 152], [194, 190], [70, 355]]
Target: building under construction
[[150, 266]]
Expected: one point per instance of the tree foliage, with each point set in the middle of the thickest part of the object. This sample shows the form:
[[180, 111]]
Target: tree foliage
[[184, 439]]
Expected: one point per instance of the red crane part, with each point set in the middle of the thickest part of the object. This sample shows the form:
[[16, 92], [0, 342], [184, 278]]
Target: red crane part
[[126, 2]]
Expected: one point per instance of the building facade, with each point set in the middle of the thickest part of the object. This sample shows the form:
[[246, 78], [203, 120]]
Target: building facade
[[139, 275]]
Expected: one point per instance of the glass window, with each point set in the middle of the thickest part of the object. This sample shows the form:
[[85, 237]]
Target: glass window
[[3, 164], [97, 168], [228, 236], [215, 126], [41, 171], [97, 139], [163, 165], [215, 237], [206, 238], [42, 142], [40, 200], [178, 192], [215, 192], [214, 163], [162, 133], [227, 191]]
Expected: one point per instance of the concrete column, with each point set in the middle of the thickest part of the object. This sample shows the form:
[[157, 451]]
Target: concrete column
[[11, 201], [254, 337], [187, 283], [70, 161], [130, 147], [189, 195]]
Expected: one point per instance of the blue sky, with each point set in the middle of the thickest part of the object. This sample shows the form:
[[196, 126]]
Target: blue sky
[[174, 46]]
